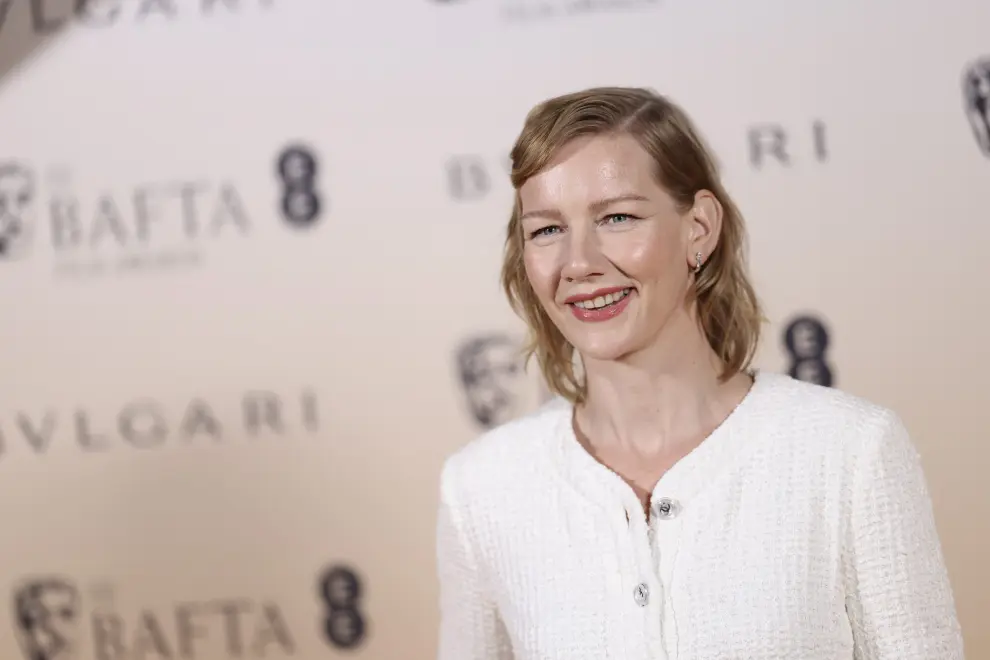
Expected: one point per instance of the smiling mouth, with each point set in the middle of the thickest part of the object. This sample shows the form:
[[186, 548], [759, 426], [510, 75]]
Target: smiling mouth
[[601, 302]]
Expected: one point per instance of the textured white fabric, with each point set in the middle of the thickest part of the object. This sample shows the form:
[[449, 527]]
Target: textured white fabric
[[801, 529]]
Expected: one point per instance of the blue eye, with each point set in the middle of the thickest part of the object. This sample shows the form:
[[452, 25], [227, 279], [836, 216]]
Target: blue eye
[[618, 218], [544, 231]]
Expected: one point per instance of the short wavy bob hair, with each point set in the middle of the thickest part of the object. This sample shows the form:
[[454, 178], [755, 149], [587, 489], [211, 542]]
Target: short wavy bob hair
[[728, 307]]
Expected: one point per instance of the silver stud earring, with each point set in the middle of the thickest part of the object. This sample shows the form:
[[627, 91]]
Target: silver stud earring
[[697, 262]]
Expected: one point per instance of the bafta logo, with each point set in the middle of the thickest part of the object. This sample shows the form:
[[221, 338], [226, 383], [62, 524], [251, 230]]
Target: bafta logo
[[494, 380], [16, 196], [492, 377], [976, 89], [46, 613]]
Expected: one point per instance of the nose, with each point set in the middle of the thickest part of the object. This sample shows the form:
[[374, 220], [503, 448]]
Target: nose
[[582, 257]]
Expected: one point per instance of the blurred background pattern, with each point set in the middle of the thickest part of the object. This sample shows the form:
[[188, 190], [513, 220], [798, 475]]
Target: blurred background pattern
[[249, 254]]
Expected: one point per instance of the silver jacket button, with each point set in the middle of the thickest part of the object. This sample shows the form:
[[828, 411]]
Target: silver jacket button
[[641, 594], [667, 508]]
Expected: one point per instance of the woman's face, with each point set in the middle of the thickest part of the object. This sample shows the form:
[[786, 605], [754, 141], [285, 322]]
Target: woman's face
[[606, 250]]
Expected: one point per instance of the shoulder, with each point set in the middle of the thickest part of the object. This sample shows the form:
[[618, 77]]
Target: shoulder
[[829, 416], [508, 455]]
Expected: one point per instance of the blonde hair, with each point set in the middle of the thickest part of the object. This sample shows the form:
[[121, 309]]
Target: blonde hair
[[728, 307]]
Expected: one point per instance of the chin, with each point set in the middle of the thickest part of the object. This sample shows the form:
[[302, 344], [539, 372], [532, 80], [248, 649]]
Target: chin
[[604, 349]]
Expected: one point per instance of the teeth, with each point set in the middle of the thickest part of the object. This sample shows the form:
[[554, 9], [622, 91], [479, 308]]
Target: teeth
[[603, 301]]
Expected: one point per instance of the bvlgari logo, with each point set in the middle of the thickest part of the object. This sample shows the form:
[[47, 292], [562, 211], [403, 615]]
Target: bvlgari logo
[[149, 424], [770, 146], [46, 17]]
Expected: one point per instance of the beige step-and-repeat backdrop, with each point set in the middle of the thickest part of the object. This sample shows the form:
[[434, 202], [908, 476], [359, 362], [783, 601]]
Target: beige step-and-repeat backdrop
[[248, 262]]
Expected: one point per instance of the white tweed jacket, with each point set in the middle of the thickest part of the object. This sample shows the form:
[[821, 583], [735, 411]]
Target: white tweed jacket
[[801, 529]]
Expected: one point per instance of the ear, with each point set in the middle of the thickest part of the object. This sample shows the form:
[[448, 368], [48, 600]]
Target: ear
[[705, 226]]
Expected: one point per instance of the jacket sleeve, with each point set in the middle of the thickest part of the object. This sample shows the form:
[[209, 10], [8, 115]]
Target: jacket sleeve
[[470, 628], [898, 598]]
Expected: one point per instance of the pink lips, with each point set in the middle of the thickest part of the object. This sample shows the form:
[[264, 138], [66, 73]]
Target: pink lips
[[603, 313]]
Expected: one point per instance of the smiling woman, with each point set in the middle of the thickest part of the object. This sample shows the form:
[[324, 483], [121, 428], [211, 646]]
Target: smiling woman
[[671, 501], [626, 182]]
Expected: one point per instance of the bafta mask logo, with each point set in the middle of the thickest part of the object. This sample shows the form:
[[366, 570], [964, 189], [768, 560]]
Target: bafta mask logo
[[491, 372], [46, 613], [16, 198], [976, 88], [806, 341]]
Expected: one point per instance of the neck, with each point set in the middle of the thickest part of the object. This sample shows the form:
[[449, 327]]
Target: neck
[[662, 399]]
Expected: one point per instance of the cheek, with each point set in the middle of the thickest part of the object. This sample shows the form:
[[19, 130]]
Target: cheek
[[647, 256], [541, 270]]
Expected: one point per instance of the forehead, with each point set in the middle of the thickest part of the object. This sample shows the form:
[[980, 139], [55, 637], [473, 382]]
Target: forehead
[[591, 168]]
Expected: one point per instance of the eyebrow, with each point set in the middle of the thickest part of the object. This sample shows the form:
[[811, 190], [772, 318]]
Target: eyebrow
[[595, 207]]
